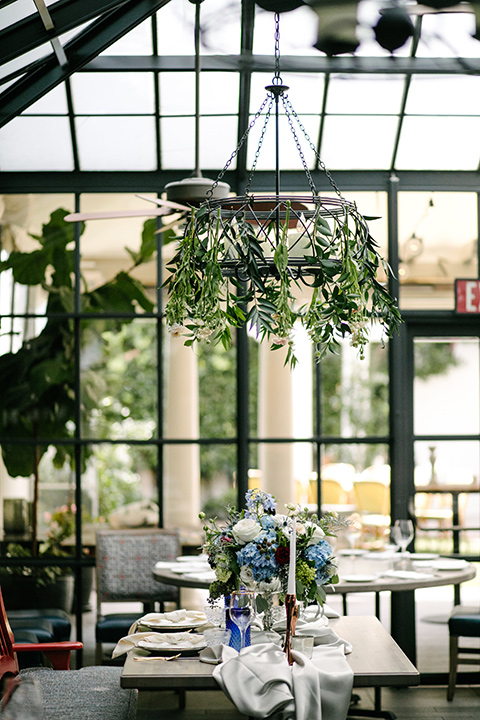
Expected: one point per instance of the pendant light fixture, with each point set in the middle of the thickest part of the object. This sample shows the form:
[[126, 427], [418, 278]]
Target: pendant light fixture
[[272, 260]]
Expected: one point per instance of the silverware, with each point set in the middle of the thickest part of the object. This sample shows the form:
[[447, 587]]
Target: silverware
[[159, 657]]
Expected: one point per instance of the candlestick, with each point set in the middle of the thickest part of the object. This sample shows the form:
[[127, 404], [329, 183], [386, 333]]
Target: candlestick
[[291, 587], [291, 610]]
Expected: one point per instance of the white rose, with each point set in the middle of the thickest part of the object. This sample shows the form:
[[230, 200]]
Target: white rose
[[317, 534], [246, 530], [246, 578], [266, 587]]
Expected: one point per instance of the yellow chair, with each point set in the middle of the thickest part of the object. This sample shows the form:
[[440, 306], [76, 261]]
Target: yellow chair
[[372, 497]]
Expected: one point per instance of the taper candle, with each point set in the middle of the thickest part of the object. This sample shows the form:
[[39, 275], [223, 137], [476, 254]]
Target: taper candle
[[291, 588]]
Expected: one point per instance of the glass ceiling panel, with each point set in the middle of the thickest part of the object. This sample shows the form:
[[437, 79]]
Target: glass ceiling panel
[[220, 24], [358, 142], [16, 11], [218, 93], [439, 143], [53, 103], [298, 32], [448, 35], [116, 143], [444, 95], [218, 140], [136, 42], [305, 91], [115, 92], [289, 156], [365, 95], [36, 143]]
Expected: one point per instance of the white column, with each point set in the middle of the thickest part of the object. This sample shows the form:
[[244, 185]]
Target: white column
[[302, 412], [276, 420], [182, 462]]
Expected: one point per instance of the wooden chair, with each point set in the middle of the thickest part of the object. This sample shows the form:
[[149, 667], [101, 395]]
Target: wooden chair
[[125, 560], [463, 622], [91, 693]]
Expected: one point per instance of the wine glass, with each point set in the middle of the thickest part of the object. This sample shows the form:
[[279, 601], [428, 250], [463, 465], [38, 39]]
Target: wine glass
[[242, 611], [402, 534]]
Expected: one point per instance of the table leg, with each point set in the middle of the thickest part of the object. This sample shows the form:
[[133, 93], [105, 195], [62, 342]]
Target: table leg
[[402, 622]]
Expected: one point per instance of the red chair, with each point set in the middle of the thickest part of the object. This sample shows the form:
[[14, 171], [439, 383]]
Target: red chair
[[58, 653]]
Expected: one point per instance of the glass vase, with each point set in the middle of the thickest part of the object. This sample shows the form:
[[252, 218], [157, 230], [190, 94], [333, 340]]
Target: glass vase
[[235, 636]]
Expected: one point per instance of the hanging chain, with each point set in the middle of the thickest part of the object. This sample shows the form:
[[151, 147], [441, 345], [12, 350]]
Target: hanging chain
[[277, 80], [268, 99], [234, 154], [290, 111], [287, 106]]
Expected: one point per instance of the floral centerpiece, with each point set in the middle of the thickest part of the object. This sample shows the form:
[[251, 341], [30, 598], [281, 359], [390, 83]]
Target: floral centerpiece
[[252, 549]]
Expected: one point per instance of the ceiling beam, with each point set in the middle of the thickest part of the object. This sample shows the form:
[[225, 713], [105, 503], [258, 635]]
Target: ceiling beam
[[30, 33], [80, 51], [290, 63], [347, 180]]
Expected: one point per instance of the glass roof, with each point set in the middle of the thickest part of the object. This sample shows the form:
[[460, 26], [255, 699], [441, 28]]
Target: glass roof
[[125, 98]]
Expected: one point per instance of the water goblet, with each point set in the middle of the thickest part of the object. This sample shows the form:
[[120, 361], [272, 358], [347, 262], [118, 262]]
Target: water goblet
[[242, 611], [402, 534]]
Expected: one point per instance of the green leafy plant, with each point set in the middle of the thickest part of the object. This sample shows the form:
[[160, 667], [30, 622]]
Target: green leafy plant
[[37, 382], [233, 266]]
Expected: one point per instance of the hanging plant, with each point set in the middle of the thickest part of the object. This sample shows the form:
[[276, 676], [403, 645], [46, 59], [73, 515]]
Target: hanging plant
[[248, 259]]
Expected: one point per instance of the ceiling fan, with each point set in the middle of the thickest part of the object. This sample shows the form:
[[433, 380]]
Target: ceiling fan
[[181, 195]]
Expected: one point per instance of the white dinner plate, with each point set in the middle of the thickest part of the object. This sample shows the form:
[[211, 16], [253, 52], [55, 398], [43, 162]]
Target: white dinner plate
[[192, 558], [449, 564], [424, 556], [174, 621], [359, 578], [351, 551]]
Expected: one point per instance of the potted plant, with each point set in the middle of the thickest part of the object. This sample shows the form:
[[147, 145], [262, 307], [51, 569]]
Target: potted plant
[[37, 382], [248, 259]]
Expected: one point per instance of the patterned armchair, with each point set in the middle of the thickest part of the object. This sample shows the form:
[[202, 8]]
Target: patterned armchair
[[125, 560]]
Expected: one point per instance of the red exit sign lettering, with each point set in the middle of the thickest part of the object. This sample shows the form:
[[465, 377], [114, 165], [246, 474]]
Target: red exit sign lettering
[[467, 296]]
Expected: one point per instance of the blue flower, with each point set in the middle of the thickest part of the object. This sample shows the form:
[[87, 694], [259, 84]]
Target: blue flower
[[267, 522], [259, 556], [320, 554], [259, 502]]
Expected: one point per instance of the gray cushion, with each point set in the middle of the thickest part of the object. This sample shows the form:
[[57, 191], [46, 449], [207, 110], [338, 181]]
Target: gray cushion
[[92, 693]]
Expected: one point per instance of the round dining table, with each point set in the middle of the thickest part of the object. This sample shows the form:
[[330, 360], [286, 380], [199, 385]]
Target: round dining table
[[404, 632]]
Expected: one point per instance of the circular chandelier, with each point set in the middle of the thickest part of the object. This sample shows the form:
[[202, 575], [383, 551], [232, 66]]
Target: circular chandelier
[[270, 261]]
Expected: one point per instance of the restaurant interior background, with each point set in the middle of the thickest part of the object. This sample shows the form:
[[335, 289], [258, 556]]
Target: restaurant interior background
[[150, 421]]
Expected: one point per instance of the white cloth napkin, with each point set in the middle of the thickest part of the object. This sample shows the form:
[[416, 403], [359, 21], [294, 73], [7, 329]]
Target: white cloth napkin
[[185, 641], [260, 683]]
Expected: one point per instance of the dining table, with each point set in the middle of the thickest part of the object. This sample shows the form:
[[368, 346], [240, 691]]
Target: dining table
[[376, 661], [374, 575]]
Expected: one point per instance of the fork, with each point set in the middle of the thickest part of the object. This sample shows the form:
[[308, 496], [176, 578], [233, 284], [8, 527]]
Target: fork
[[170, 657]]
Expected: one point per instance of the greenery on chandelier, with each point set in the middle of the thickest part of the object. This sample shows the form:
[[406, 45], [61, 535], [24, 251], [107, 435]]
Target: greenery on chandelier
[[229, 271]]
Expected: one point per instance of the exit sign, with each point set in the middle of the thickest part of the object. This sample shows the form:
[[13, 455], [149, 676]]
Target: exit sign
[[467, 296]]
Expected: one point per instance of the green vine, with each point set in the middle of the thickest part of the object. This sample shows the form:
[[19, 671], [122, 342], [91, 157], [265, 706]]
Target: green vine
[[230, 271]]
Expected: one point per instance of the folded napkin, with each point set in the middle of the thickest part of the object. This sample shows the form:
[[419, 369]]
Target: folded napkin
[[170, 620], [261, 683], [182, 641]]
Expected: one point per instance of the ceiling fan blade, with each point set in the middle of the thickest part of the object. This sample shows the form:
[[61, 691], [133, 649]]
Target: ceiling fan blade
[[171, 225], [113, 214], [164, 203]]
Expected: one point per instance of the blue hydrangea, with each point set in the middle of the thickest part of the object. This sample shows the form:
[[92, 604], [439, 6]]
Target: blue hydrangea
[[320, 554], [259, 556], [267, 523]]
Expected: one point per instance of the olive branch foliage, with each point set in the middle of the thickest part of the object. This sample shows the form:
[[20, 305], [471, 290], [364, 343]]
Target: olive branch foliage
[[228, 272]]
